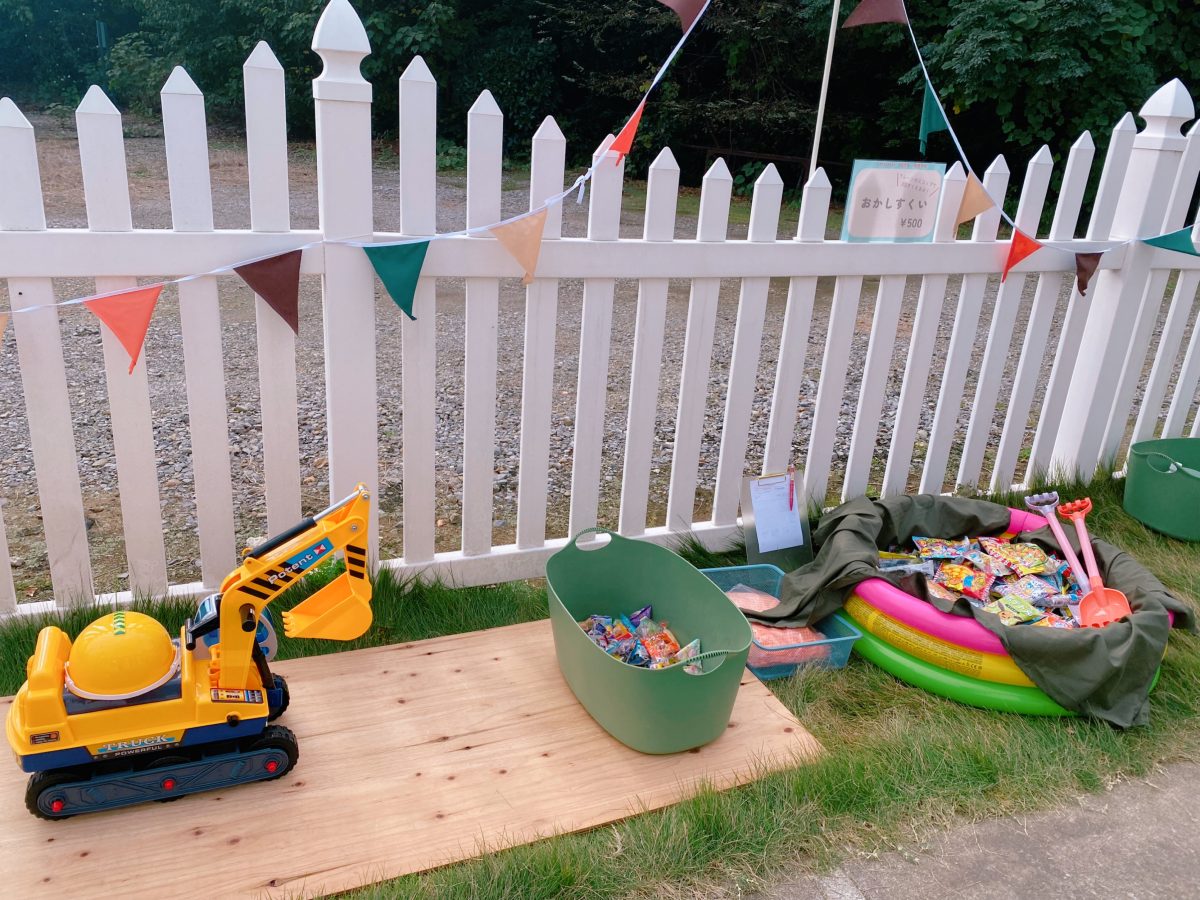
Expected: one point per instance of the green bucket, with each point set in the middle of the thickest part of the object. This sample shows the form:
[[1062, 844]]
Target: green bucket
[[651, 710], [1162, 486]]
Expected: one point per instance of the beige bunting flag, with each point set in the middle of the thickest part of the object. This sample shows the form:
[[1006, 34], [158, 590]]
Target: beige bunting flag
[[523, 239], [975, 200]]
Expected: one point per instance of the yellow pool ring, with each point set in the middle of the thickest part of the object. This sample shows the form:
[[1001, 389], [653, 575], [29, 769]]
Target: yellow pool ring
[[972, 663]]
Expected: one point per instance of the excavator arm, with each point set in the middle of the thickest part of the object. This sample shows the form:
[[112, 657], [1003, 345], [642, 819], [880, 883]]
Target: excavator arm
[[339, 611]]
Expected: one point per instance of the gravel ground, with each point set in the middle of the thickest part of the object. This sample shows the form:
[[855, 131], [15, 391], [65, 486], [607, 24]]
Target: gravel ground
[[62, 185]]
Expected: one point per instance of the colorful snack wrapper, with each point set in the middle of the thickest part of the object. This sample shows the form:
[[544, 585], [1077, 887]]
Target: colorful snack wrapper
[[1032, 589], [640, 615], [940, 548], [647, 627], [1024, 559], [688, 651], [1021, 609], [988, 564], [970, 582], [941, 591], [661, 645], [927, 567]]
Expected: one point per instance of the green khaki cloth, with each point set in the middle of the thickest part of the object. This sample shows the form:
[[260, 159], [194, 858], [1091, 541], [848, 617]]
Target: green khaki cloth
[[1100, 672]]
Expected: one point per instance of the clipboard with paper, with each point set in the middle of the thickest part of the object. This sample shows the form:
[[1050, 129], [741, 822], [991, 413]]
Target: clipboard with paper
[[775, 521]]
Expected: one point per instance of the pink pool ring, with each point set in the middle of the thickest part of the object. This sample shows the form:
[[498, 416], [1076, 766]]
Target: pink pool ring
[[922, 616]]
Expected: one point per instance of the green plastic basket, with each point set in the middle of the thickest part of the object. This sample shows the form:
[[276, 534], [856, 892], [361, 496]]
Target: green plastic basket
[[1162, 486], [651, 710]]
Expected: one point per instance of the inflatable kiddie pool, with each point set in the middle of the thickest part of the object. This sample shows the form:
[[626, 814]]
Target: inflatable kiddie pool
[[952, 656]]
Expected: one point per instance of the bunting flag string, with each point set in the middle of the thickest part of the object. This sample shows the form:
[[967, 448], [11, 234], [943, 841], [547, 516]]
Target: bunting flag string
[[1085, 267], [399, 267], [1180, 241], [277, 280], [975, 201], [1021, 247], [127, 315], [522, 238]]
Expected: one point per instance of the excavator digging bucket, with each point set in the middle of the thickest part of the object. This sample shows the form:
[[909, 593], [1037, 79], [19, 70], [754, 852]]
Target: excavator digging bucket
[[340, 611]]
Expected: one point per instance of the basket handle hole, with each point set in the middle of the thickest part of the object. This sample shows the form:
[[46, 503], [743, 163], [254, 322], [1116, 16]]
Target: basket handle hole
[[593, 541]]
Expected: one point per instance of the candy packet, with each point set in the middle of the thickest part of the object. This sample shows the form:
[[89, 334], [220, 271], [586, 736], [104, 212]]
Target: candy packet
[[661, 645], [1022, 610], [988, 564], [926, 567], [1023, 559], [1032, 589], [688, 651], [942, 592], [968, 581], [940, 548], [636, 618]]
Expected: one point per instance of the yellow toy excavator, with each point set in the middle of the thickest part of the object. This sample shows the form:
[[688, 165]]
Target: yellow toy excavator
[[127, 714]]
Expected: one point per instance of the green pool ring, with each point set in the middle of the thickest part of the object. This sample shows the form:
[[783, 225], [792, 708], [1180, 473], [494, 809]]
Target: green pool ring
[[1029, 701]]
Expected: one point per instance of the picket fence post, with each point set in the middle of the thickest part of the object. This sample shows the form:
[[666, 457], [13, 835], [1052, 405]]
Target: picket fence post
[[342, 98], [1115, 307], [43, 374], [106, 193]]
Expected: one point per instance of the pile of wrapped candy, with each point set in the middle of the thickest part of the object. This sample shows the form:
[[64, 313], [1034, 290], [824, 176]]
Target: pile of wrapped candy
[[638, 640], [1020, 583]]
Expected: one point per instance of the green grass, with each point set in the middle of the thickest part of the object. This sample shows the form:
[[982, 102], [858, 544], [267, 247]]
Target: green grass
[[899, 762]]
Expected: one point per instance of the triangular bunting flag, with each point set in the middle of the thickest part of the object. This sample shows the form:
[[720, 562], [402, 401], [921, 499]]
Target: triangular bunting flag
[[931, 117], [523, 239], [277, 280], [876, 12], [687, 10], [1179, 241], [398, 267], [1022, 246], [623, 143], [127, 316], [975, 200], [1085, 268]]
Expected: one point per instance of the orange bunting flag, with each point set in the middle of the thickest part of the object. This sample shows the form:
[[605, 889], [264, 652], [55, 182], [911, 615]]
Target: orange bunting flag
[[687, 10], [523, 239], [1022, 246], [1085, 268], [623, 143], [876, 12], [127, 316], [277, 280], [975, 200]]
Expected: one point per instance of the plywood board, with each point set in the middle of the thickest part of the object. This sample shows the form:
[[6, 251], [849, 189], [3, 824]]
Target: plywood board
[[411, 756]]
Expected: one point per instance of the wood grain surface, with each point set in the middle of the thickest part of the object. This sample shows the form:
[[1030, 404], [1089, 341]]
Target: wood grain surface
[[411, 756]]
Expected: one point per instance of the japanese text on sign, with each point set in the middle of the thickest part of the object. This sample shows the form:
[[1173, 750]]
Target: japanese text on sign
[[892, 201]]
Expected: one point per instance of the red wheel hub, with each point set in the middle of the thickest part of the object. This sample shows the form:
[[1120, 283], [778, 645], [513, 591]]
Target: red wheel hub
[[272, 765], [57, 806]]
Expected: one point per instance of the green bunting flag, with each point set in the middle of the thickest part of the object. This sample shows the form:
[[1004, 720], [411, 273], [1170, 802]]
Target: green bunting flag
[[398, 267], [1179, 241], [931, 117]]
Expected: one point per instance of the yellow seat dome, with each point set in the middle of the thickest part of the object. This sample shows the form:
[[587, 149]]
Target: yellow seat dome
[[121, 655]]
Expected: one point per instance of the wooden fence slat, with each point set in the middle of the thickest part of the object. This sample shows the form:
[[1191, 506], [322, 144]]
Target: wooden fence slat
[[186, 137], [418, 339], [997, 351], [793, 339], [343, 125], [8, 592], [715, 194], [1112, 175], [1165, 353], [43, 374], [747, 342], [1041, 315], [911, 401], [662, 192], [595, 335], [485, 155], [547, 167], [1114, 303], [962, 340], [867, 413], [106, 191], [270, 211], [839, 334]]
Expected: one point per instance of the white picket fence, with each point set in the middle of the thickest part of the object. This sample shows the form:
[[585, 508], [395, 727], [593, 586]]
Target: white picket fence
[[1100, 356]]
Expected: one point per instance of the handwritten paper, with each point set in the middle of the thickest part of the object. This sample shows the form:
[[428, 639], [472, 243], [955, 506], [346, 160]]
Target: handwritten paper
[[778, 527], [892, 201]]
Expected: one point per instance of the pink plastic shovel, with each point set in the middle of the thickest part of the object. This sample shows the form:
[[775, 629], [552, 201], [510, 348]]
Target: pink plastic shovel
[[1046, 504], [1100, 605]]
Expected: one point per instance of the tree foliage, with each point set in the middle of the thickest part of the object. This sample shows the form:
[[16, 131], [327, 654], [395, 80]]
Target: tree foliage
[[1012, 73]]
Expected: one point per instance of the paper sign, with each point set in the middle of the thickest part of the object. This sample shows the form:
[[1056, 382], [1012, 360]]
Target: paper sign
[[777, 525], [892, 201]]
